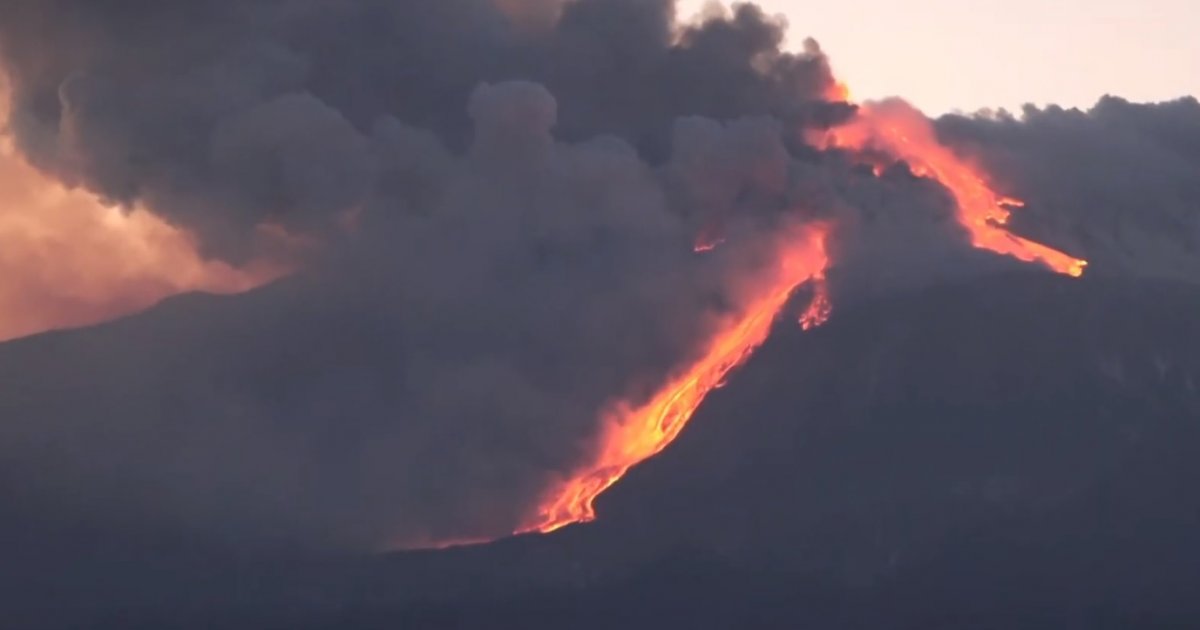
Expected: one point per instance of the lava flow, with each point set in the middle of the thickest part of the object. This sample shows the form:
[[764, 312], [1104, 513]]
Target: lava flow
[[633, 434], [904, 133], [630, 435]]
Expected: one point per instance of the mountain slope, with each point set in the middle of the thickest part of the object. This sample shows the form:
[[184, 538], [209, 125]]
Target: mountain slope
[[1013, 452]]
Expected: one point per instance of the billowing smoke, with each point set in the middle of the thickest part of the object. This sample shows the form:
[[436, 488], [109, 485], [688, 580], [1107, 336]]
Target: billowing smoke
[[424, 384], [508, 197], [503, 257], [229, 114]]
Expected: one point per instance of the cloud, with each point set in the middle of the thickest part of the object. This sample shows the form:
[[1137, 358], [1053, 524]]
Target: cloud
[[439, 368], [229, 115]]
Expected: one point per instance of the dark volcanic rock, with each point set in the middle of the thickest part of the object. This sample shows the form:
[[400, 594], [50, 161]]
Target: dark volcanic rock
[[1021, 441], [1016, 452], [1013, 452], [906, 418]]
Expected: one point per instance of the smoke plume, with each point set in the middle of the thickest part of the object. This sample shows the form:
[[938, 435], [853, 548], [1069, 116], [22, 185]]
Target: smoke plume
[[226, 115], [503, 257]]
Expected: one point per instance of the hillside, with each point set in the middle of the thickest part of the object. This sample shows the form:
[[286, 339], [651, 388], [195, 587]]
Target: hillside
[[1015, 452]]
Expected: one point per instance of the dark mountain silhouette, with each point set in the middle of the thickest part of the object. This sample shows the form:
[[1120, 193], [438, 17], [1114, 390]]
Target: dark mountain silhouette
[[1016, 452]]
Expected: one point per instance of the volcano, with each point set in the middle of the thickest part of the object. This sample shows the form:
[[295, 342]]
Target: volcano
[[1014, 450], [576, 313]]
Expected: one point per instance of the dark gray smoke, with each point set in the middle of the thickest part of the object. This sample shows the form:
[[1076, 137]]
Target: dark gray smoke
[[524, 197], [223, 115], [1117, 184], [429, 379]]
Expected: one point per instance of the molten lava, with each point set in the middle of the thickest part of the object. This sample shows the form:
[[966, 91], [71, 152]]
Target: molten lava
[[820, 308], [904, 133], [632, 434], [68, 260]]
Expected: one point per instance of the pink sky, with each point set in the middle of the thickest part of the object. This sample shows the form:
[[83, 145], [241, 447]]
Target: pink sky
[[944, 55]]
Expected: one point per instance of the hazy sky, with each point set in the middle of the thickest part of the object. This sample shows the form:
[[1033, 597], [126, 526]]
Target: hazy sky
[[969, 54]]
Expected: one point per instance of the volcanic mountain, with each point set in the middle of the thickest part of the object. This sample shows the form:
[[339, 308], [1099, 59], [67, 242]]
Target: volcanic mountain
[[1015, 451]]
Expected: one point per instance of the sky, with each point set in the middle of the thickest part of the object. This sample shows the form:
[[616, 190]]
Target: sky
[[947, 55]]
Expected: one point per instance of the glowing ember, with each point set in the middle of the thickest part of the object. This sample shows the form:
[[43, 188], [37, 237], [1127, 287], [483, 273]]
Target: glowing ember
[[68, 260], [906, 134], [820, 308], [710, 237], [630, 435]]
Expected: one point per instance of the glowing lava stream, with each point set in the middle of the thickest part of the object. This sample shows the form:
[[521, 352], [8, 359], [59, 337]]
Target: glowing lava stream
[[632, 435], [906, 134]]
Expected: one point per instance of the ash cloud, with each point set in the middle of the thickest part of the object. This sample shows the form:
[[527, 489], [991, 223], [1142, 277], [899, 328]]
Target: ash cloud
[[1117, 184], [507, 195], [227, 114], [437, 370], [503, 254]]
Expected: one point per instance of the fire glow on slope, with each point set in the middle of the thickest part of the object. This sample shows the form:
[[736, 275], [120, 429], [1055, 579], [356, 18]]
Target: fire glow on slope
[[68, 260], [904, 133], [630, 435]]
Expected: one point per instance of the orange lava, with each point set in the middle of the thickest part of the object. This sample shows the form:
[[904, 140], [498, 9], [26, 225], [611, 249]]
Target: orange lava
[[710, 237], [820, 308], [630, 435], [906, 134], [68, 260]]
